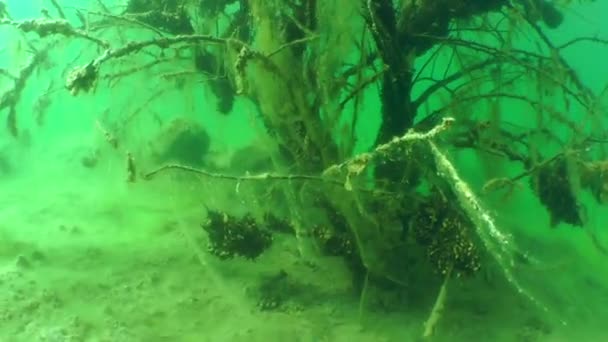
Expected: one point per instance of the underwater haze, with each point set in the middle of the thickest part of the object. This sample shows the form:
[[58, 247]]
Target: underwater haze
[[279, 170]]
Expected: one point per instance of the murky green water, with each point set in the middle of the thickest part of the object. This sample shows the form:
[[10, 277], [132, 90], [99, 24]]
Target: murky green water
[[248, 170]]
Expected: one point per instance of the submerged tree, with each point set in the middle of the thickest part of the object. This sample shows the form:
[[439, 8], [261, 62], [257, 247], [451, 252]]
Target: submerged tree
[[470, 75]]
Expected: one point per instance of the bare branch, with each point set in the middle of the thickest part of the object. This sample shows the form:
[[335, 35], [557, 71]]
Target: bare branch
[[258, 177]]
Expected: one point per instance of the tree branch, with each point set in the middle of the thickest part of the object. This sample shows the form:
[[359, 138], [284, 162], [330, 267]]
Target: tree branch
[[46, 27], [83, 78], [353, 166]]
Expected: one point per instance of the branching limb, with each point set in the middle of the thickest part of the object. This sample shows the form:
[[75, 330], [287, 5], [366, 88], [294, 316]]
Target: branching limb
[[529, 61], [449, 79], [127, 18], [46, 27], [84, 77], [586, 91], [10, 98]]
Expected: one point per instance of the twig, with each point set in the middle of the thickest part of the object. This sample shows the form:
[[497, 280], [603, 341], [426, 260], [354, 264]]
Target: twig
[[361, 86], [144, 105], [123, 73], [246, 54], [291, 43], [497, 183], [103, 6], [494, 95], [131, 169], [582, 39], [257, 177], [42, 104], [108, 137], [58, 8], [243, 178], [6, 73], [189, 73], [587, 92], [480, 47], [437, 311], [521, 57]]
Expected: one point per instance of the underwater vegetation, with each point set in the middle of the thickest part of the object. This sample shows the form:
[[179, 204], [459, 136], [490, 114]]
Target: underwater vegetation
[[432, 80]]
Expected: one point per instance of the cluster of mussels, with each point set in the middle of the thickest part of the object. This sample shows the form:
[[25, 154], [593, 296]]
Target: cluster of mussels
[[553, 186], [231, 236], [445, 233]]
